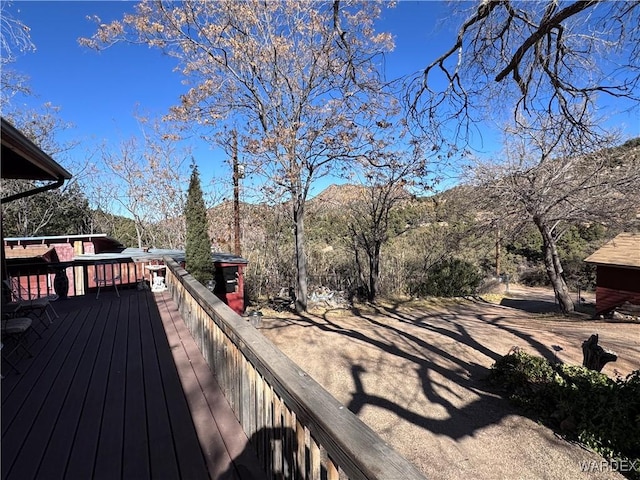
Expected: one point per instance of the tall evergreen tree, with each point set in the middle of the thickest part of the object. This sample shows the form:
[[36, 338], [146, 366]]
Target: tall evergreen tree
[[198, 248]]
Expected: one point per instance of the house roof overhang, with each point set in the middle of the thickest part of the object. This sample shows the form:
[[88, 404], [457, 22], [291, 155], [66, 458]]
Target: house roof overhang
[[22, 159], [621, 252], [101, 242]]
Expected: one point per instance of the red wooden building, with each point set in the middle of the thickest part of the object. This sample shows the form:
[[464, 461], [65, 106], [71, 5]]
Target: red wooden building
[[229, 280], [618, 272], [35, 262]]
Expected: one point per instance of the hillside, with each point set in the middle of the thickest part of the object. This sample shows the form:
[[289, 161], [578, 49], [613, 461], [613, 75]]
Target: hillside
[[334, 200], [423, 232], [336, 196]]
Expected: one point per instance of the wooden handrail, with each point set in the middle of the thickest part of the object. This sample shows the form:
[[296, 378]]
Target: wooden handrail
[[298, 429]]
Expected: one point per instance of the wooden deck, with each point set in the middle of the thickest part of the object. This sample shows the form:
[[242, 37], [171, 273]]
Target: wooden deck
[[116, 388]]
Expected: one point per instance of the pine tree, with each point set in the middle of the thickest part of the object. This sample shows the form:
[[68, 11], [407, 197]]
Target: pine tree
[[198, 248]]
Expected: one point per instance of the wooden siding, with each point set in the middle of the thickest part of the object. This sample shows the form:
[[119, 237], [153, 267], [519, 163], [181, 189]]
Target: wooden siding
[[607, 299], [615, 286], [117, 389], [618, 278]]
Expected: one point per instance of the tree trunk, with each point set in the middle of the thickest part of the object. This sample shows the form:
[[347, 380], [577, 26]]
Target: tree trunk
[[374, 272], [554, 267], [594, 357], [301, 257], [139, 235], [361, 283]]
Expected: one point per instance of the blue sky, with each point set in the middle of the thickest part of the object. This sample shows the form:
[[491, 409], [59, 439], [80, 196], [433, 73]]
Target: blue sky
[[100, 91]]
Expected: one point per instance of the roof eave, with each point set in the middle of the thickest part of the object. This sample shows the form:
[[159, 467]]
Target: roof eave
[[613, 265], [44, 167]]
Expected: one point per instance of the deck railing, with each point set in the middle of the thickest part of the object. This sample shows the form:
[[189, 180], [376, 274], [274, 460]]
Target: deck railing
[[296, 427], [73, 278]]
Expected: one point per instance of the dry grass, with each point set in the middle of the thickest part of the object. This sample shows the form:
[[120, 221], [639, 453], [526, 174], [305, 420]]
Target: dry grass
[[494, 298]]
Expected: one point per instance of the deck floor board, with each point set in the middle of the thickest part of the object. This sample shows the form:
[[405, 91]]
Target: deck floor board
[[87, 432], [162, 452], [112, 392], [81, 396], [64, 393]]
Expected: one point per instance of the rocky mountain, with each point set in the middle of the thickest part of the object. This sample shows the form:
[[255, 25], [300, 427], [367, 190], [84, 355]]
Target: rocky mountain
[[337, 195]]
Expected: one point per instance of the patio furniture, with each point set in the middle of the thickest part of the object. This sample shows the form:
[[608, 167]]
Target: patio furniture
[[157, 281], [18, 298], [103, 279], [15, 331]]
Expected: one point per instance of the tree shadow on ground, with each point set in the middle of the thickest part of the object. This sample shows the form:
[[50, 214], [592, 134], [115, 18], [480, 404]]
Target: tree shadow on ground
[[487, 410], [441, 373], [531, 306], [469, 310]]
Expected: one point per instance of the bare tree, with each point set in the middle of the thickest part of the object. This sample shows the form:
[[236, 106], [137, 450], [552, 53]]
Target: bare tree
[[122, 186], [555, 178], [166, 158], [15, 37], [144, 180], [296, 73], [519, 58], [386, 176], [541, 67]]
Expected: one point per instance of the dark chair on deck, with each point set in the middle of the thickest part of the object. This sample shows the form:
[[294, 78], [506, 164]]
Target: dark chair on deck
[[105, 277], [40, 307], [14, 338]]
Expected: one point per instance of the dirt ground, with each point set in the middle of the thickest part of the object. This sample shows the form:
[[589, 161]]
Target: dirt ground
[[415, 373]]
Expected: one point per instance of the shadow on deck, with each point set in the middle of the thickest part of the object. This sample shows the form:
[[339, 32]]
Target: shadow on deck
[[117, 388]]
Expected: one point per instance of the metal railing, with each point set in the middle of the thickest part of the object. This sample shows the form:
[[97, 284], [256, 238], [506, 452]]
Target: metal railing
[[296, 427]]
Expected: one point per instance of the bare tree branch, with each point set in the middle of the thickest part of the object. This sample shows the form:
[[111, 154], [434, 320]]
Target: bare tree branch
[[517, 59]]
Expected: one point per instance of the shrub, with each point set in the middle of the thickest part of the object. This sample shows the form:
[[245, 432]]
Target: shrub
[[535, 276], [526, 380], [585, 405], [449, 278]]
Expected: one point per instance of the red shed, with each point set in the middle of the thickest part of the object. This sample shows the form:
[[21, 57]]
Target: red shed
[[618, 272], [229, 280]]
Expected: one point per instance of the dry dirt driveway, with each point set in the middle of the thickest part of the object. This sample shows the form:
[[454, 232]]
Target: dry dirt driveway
[[415, 375]]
